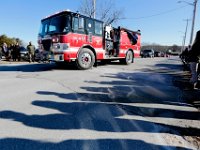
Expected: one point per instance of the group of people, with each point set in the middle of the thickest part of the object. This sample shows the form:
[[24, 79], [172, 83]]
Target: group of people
[[10, 52], [191, 56], [13, 52]]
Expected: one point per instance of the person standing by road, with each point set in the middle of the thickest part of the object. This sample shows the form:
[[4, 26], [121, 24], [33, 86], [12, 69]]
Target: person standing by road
[[11, 50], [116, 40], [5, 50], [31, 52], [1, 49], [184, 56], [16, 52], [194, 59]]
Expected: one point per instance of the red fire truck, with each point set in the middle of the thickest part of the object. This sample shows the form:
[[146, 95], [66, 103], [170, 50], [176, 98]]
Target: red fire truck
[[71, 37]]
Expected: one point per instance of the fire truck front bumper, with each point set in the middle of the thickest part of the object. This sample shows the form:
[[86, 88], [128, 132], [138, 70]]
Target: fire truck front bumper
[[61, 56], [63, 52], [56, 57]]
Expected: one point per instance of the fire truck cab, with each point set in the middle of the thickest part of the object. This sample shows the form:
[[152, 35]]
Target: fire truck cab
[[69, 36]]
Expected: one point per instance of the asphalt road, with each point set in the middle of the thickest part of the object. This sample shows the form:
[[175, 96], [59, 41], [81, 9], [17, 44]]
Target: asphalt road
[[109, 107]]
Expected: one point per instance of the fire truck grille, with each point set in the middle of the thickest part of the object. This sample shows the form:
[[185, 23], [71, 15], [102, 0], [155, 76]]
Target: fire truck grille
[[46, 44]]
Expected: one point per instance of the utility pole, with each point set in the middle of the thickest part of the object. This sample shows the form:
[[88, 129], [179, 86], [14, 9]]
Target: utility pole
[[183, 47], [194, 4], [193, 21], [94, 9]]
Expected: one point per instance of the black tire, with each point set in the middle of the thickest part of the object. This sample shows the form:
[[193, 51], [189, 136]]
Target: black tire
[[86, 59], [129, 58]]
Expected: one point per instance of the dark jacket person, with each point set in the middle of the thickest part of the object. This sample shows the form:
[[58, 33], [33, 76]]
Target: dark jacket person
[[194, 59], [31, 52]]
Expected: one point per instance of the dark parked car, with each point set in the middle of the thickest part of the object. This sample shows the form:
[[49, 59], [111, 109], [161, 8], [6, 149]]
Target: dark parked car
[[159, 54], [147, 53], [41, 56], [24, 54]]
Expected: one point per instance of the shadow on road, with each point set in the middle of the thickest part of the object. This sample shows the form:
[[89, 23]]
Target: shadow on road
[[73, 114], [26, 67], [104, 144], [39, 67], [36, 67]]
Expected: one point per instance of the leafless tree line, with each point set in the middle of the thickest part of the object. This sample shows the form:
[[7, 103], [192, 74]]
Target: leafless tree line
[[104, 10], [162, 48]]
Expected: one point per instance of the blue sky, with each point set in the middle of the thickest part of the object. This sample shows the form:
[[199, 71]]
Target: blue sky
[[160, 21]]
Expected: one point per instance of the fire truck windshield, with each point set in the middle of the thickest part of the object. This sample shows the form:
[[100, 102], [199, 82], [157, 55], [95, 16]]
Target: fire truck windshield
[[54, 25]]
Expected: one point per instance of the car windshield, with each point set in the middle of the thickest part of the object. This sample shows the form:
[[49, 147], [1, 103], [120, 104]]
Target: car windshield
[[58, 24], [22, 49], [148, 51]]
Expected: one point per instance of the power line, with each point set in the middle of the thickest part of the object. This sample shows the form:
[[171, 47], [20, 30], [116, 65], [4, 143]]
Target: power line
[[158, 14]]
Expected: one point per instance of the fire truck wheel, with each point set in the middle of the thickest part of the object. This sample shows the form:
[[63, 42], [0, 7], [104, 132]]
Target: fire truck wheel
[[129, 58], [86, 59]]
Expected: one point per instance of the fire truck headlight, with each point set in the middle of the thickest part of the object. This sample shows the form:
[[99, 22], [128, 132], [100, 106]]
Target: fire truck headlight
[[55, 39], [65, 46], [56, 46]]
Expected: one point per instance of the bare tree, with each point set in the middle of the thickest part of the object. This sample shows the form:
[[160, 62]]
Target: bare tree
[[161, 48], [104, 10], [87, 7]]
